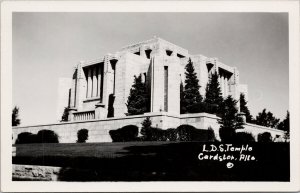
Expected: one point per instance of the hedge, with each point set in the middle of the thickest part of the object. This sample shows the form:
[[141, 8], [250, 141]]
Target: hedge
[[126, 133], [43, 136], [82, 135]]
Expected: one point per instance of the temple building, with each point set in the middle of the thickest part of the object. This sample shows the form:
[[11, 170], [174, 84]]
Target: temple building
[[102, 86], [107, 81]]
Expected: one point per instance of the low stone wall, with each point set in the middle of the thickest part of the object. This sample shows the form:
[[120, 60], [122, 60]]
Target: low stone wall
[[277, 135], [99, 129], [35, 173]]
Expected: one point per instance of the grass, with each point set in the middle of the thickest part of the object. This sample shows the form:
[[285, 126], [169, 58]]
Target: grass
[[153, 161]]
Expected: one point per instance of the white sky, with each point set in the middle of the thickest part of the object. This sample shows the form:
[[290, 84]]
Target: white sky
[[46, 46]]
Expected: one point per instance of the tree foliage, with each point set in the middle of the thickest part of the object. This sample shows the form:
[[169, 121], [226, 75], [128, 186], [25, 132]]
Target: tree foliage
[[124, 134], [244, 108], [190, 94], [138, 101], [82, 135], [285, 126], [230, 120], [146, 127], [265, 137], [15, 116], [65, 116], [213, 94], [47, 136], [266, 119]]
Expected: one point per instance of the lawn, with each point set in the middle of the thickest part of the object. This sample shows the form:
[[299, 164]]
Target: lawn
[[155, 161]]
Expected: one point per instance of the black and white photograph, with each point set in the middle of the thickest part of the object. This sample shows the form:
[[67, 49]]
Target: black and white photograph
[[138, 92]]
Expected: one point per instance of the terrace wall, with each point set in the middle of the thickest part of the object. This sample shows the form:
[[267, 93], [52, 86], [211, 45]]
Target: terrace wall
[[99, 129]]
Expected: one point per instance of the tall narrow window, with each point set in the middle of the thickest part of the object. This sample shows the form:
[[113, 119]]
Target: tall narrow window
[[166, 88]]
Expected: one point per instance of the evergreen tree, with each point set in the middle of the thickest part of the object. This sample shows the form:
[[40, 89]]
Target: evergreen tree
[[266, 119], [244, 108], [146, 128], [138, 101], [15, 116], [285, 126], [230, 121], [64, 117], [191, 94], [213, 94]]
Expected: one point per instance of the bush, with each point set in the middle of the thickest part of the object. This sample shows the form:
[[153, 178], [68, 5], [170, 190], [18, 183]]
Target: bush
[[171, 134], [156, 134], [244, 137], [265, 137], [115, 135], [190, 133], [227, 135], [185, 132], [47, 136], [126, 133], [211, 137], [82, 135], [26, 137], [146, 126]]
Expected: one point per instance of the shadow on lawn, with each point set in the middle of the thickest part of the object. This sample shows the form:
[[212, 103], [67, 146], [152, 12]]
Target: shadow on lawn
[[171, 162]]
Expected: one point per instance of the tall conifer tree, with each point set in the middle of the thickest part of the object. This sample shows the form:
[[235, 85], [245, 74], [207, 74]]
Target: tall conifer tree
[[213, 94], [191, 94], [15, 117], [244, 108], [230, 121], [138, 101], [266, 119]]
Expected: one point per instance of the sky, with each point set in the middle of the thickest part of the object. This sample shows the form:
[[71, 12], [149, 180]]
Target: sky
[[47, 46]]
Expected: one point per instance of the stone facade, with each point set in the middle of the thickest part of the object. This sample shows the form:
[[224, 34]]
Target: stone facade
[[162, 66], [35, 173]]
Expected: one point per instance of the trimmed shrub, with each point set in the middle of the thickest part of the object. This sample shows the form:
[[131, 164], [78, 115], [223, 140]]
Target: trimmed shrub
[[156, 134], [203, 135], [115, 135], [227, 135], [82, 135], [126, 133], [244, 137], [211, 137], [26, 137], [47, 136], [171, 134], [265, 137], [185, 132], [190, 133]]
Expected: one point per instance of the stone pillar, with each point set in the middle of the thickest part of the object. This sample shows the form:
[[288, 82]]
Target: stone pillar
[[80, 88], [108, 81], [222, 84], [226, 87], [73, 89], [100, 111], [157, 83], [89, 84], [99, 81], [71, 115], [95, 82]]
